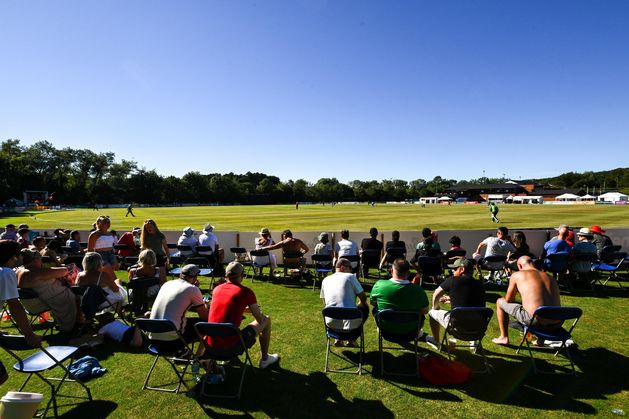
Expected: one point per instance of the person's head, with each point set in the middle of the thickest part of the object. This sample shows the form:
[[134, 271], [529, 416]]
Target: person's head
[[502, 232], [233, 272], [455, 241], [401, 268], [395, 235], [103, 223], [426, 232], [265, 233], [461, 266], [39, 242], [287, 234], [562, 231], [324, 237], [149, 227], [136, 231], [23, 232], [519, 239], [345, 234], [343, 265], [373, 232], [21, 226], [147, 258], [9, 253], [208, 228], [189, 273], [92, 262], [9, 227], [30, 257], [188, 232], [525, 262], [75, 235], [597, 230], [584, 234]]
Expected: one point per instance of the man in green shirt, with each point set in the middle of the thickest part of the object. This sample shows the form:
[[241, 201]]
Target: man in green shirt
[[399, 293]]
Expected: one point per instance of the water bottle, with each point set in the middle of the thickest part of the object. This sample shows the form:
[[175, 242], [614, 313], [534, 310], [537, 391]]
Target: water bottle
[[196, 367]]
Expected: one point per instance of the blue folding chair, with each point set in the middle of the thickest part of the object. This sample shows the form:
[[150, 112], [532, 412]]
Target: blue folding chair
[[557, 265], [223, 330], [413, 319], [556, 333], [322, 266], [468, 324], [182, 353], [343, 314], [42, 360], [609, 267]]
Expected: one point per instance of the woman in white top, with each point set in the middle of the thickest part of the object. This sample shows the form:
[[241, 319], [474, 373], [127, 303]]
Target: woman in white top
[[102, 241], [93, 274], [263, 240]]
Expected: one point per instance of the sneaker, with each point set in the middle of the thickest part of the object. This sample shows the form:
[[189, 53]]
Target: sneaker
[[430, 340], [270, 360]]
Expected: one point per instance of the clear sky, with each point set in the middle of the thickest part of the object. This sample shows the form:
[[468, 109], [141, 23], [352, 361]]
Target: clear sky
[[312, 88]]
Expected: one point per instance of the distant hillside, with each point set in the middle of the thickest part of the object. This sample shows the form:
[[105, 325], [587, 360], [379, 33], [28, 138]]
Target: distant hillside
[[609, 180]]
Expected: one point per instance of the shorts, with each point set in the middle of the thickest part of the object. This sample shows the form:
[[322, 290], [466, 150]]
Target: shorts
[[517, 311], [127, 336], [249, 336], [109, 258], [161, 261], [440, 316]]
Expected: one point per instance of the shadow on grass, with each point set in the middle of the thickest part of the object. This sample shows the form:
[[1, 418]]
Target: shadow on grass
[[280, 393], [93, 409]]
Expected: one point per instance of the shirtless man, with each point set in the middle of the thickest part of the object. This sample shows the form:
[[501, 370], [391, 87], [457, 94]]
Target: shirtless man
[[536, 289]]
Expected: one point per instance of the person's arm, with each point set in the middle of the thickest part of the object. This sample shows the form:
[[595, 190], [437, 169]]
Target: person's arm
[[260, 317], [274, 246], [19, 316], [166, 250], [362, 299], [304, 247], [203, 311], [108, 279], [512, 290], [91, 241], [439, 292], [480, 247]]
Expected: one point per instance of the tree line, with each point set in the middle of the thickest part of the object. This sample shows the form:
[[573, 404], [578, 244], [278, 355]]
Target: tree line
[[83, 177]]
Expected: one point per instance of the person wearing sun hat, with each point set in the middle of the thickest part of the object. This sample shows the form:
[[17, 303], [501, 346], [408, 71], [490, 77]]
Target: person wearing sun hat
[[459, 290], [187, 239], [208, 238], [584, 245], [264, 239], [600, 239]]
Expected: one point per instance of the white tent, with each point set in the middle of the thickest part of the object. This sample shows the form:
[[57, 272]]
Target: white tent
[[587, 197], [567, 197], [444, 198], [613, 197]]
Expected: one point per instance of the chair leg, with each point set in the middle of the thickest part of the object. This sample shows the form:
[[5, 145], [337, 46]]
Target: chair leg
[[327, 353]]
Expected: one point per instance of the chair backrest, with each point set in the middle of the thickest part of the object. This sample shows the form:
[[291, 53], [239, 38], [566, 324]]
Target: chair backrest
[[14, 342], [429, 266], [456, 253], [585, 257], [342, 313], [221, 331], [556, 262], [237, 250], [395, 253], [155, 325], [389, 317], [351, 258], [321, 258], [27, 293], [469, 323], [259, 252], [370, 257], [614, 258], [495, 258], [142, 282], [198, 260], [558, 313], [292, 255], [172, 245], [204, 250], [611, 248]]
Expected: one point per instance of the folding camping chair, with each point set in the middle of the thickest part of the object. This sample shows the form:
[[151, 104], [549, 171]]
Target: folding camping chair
[[343, 314], [468, 324], [392, 317]]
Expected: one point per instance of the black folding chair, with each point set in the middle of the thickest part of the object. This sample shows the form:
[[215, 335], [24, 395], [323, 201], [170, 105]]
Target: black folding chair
[[183, 353], [30, 300], [468, 324], [390, 317], [343, 314], [138, 293], [222, 331], [241, 255], [260, 259], [495, 265], [322, 265], [556, 333], [430, 267], [369, 258], [40, 361], [292, 261]]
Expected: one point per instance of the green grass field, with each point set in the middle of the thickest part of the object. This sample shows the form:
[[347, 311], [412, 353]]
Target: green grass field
[[299, 388], [317, 217]]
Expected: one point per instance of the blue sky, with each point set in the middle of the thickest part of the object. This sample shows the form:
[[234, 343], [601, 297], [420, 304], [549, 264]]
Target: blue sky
[[313, 88]]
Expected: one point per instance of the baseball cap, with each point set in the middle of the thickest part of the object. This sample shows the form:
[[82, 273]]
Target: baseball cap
[[234, 269], [190, 270], [461, 262]]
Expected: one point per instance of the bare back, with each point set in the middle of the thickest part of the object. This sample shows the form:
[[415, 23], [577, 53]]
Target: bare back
[[536, 289]]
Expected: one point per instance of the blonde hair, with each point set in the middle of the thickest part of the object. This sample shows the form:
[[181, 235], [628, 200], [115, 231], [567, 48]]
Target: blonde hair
[[147, 258], [92, 261]]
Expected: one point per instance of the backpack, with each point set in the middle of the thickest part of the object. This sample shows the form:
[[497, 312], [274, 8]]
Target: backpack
[[440, 371]]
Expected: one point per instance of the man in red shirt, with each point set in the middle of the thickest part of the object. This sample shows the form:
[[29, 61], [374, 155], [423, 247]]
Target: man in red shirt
[[229, 301]]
